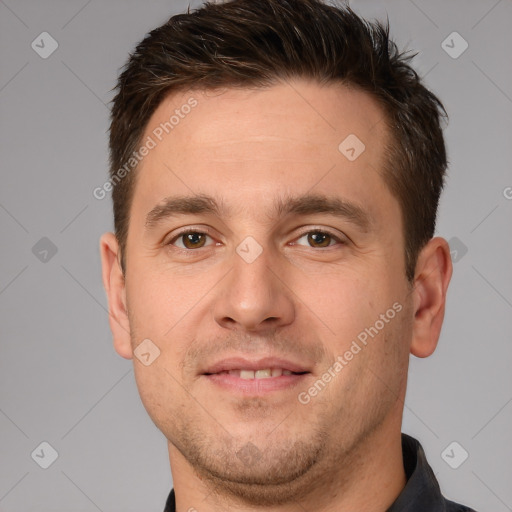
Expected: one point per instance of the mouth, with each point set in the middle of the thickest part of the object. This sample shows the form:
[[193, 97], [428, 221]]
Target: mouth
[[256, 377], [265, 373]]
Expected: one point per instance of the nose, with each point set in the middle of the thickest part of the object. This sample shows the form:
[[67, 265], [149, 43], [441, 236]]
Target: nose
[[255, 296]]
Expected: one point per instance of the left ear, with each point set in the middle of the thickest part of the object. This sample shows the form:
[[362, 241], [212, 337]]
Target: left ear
[[433, 273]]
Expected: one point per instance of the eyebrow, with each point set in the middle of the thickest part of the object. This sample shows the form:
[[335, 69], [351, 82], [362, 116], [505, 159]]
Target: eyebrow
[[306, 204]]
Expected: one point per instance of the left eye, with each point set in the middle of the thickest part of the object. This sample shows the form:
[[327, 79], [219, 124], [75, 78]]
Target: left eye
[[190, 240], [319, 239]]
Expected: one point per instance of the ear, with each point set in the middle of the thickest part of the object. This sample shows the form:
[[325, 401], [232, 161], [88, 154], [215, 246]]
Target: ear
[[113, 282], [433, 273]]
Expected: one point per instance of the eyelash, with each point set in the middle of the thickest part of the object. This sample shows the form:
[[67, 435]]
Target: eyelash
[[206, 232]]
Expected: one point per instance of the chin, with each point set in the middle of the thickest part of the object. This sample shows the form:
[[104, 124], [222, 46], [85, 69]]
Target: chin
[[263, 479], [255, 475]]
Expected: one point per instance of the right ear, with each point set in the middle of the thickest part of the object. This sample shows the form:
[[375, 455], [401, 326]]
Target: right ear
[[113, 282]]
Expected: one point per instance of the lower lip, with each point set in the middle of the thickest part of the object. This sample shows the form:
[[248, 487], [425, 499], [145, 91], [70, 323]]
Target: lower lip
[[236, 384]]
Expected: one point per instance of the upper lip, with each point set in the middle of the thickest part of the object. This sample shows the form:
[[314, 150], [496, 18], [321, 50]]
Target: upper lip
[[241, 363]]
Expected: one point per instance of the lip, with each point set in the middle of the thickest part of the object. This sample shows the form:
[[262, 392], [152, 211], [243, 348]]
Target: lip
[[241, 363], [255, 387]]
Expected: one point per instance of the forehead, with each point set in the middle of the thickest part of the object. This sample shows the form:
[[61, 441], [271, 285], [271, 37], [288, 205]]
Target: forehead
[[286, 114], [243, 143]]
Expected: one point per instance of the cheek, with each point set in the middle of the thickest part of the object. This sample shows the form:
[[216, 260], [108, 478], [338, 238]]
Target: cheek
[[388, 349], [158, 312], [374, 359], [156, 303], [156, 385], [372, 329], [348, 305]]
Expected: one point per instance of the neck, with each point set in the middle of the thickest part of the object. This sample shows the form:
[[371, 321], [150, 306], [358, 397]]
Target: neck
[[370, 480]]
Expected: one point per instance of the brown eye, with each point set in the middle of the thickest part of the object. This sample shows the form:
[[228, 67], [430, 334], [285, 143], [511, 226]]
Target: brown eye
[[319, 239], [190, 240], [193, 240]]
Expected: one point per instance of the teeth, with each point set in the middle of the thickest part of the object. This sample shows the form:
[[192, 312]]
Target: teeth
[[265, 373]]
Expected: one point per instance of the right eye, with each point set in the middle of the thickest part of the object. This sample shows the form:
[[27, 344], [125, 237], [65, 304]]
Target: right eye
[[189, 240]]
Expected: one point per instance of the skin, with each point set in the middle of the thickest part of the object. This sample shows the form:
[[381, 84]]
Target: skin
[[299, 299]]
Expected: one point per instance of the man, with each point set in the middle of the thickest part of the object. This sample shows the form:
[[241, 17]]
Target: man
[[276, 167]]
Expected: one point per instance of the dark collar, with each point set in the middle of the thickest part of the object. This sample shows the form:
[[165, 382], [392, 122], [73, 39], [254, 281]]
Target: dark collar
[[420, 494]]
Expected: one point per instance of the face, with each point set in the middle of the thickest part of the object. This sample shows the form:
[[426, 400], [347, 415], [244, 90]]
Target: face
[[277, 298]]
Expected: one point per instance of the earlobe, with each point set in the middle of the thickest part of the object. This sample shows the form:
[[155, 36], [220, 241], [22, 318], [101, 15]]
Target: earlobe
[[114, 284], [433, 273]]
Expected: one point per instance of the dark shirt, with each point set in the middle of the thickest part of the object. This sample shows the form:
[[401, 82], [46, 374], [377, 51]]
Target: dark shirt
[[421, 492]]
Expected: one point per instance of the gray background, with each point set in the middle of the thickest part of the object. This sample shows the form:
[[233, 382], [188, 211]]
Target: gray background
[[60, 379]]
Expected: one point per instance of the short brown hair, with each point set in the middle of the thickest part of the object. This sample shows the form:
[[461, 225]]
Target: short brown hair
[[256, 43]]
